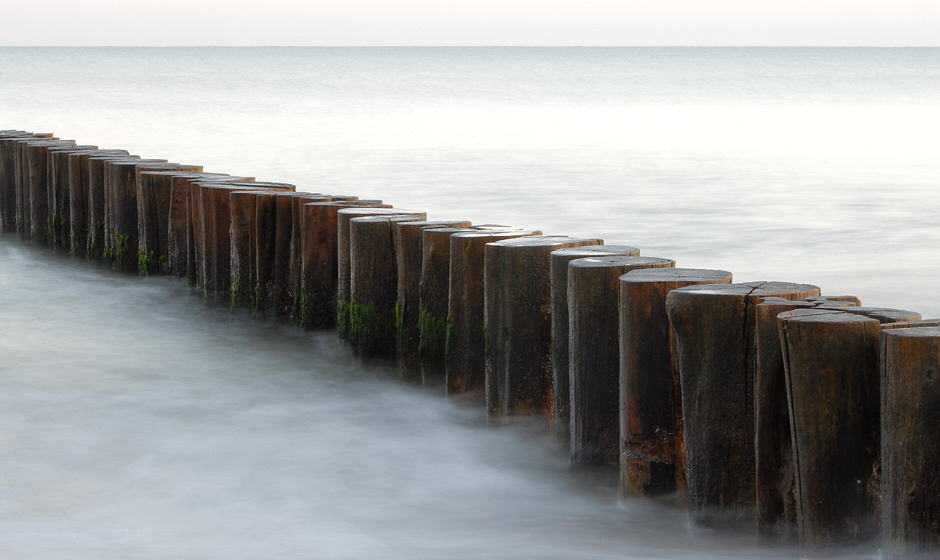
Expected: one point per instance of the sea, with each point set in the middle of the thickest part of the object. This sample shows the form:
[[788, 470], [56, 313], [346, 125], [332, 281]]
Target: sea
[[141, 422]]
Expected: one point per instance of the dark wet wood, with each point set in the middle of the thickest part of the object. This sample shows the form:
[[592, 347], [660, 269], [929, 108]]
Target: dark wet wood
[[373, 287], [410, 242], [832, 359], [464, 362], [181, 242], [343, 294], [560, 370], [8, 178], [594, 353], [910, 445], [97, 202], [58, 192], [716, 344], [121, 224], [79, 197], [295, 280], [775, 491], [652, 446], [517, 317], [37, 163], [319, 266]]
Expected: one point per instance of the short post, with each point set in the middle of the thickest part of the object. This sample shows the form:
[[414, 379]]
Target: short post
[[517, 316], [832, 363], [8, 178], [319, 268], [343, 292], [37, 160], [714, 327], [97, 206], [910, 441], [409, 243], [560, 371], [464, 362], [594, 354], [121, 225], [58, 192], [774, 489], [373, 289], [79, 197], [652, 445], [298, 225]]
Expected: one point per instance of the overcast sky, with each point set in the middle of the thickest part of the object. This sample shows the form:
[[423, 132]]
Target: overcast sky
[[471, 22]]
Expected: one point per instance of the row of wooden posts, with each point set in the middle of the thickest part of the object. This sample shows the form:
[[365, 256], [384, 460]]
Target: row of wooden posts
[[762, 406]]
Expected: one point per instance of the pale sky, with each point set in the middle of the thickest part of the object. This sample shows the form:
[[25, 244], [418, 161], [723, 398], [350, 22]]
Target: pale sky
[[466, 22]]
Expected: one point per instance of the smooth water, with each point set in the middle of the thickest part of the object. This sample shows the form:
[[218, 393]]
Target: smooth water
[[141, 423]]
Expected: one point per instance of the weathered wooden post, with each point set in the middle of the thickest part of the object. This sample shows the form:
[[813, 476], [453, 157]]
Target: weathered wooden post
[[98, 196], [517, 316], [594, 353], [715, 341], [410, 237], [181, 236], [60, 213], [154, 204], [79, 197], [319, 266], [910, 440], [831, 361], [373, 288], [465, 354], [652, 445], [216, 216], [22, 212], [774, 489], [37, 161], [243, 205], [123, 225], [561, 419], [9, 147], [295, 284], [343, 294]]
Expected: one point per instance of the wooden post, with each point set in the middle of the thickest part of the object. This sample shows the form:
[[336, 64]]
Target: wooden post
[[295, 283], [9, 142], [594, 354], [58, 192], [123, 225], [8, 179], [561, 419], [79, 197], [652, 445], [217, 241], [243, 205], [409, 242], [343, 294], [775, 492], [98, 202], [518, 295], [716, 344], [465, 354], [22, 212], [37, 160], [373, 286], [180, 222], [832, 362], [319, 266], [910, 441], [154, 204]]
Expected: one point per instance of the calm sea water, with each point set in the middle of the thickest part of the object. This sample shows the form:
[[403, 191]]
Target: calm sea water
[[140, 423]]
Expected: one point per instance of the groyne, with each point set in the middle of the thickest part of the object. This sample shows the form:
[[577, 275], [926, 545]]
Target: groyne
[[766, 408]]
